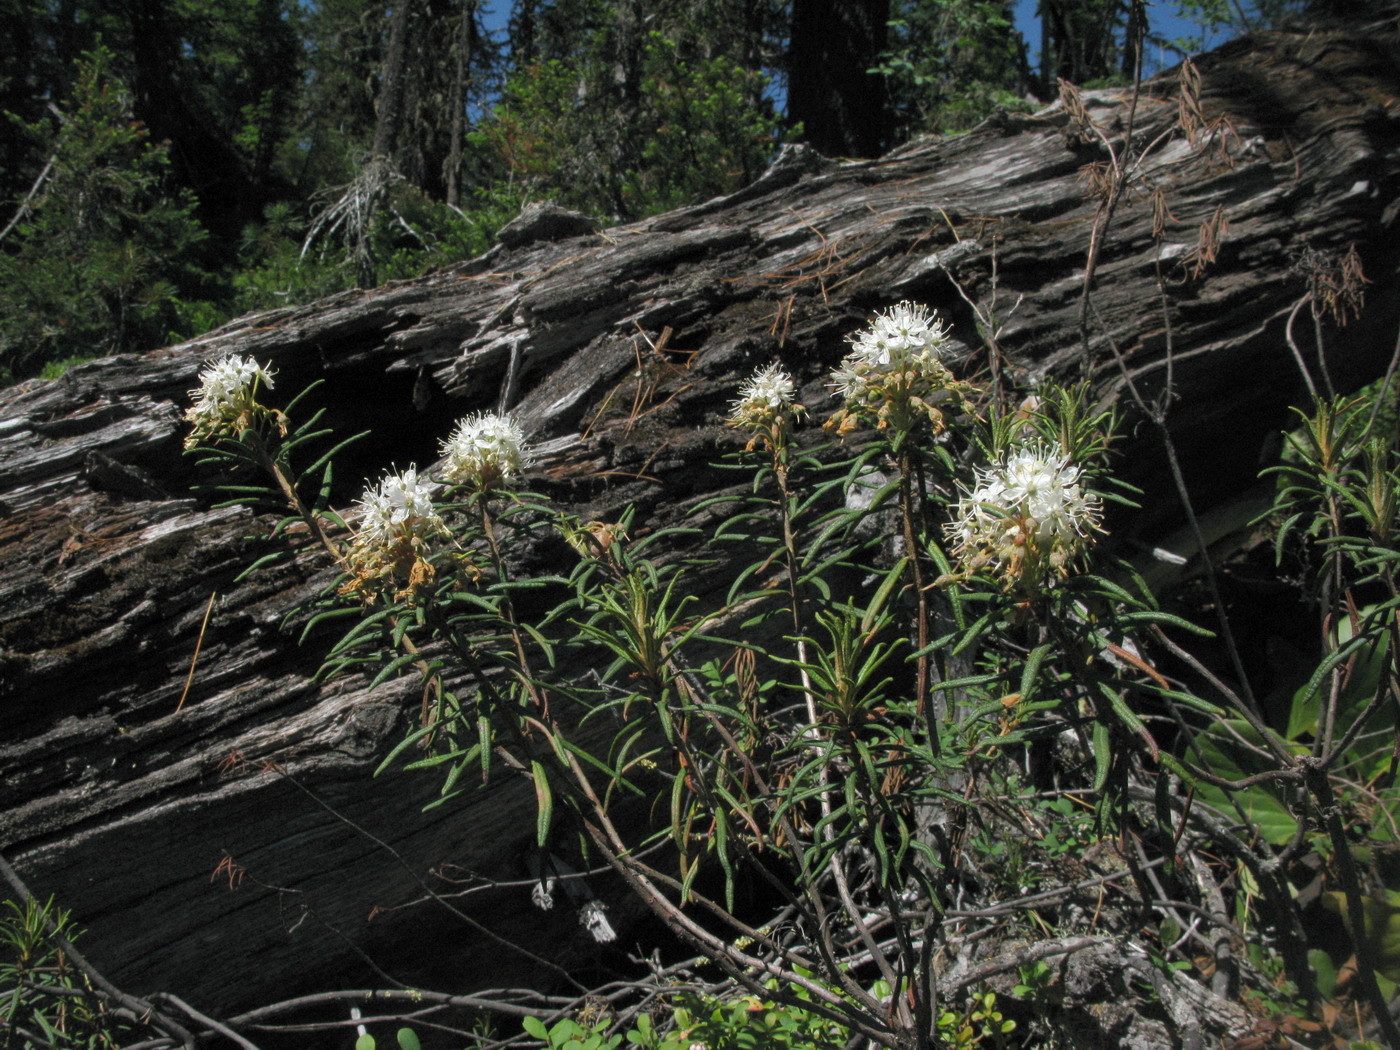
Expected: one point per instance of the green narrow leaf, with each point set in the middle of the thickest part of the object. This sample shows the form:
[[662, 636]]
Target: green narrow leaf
[[458, 768], [393, 667], [1103, 755], [1112, 590], [689, 878], [300, 438], [323, 494], [297, 400], [266, 559], [677, 792], [722, 851], [1153, 616], [544, 802], [403, 746], [483, 732], [1333, 659], [1173, 764], [1032, 669], [877, 603]]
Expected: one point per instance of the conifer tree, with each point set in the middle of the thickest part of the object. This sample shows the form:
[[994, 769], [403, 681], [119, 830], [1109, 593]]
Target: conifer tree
[[105, 253]]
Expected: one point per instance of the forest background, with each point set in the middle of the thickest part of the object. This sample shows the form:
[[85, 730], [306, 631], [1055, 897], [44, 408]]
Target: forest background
[[171, 164]]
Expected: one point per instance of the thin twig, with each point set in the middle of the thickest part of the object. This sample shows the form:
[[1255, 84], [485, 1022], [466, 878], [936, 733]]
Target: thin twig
[[208, 1022], [198, 644], [1250, 706], [24, 204], [1385, 384], [437, 897], [1293, 344]]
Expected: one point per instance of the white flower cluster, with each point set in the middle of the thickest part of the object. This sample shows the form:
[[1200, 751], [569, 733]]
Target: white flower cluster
[[765, 403], [769, 387], [1027, 515], [393, 544], [904, 344], [485, 451], [227, 397], [399, 508]]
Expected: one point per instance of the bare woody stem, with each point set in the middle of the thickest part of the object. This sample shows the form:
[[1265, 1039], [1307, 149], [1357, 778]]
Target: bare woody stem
[[911, 547], [298, 505], [838, 867]]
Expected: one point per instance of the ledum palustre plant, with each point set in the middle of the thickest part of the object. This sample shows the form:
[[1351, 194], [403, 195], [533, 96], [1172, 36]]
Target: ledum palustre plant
[[917, 622]]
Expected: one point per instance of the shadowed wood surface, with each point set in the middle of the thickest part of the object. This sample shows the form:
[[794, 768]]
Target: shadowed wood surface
[[618, 351]]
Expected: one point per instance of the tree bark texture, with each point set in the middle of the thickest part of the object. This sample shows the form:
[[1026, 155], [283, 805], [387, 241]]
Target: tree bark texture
[[169, 829], [831, 92], [386, 128], [461, 58]]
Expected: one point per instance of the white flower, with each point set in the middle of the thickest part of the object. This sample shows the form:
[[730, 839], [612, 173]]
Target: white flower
[[905, 344], [227, 392], [895, 376], [400, 508], [765, 403], [231, 381], [769, 387], [1026, 515], [906, 331], [484, 451], [392, 546], [591, 917]]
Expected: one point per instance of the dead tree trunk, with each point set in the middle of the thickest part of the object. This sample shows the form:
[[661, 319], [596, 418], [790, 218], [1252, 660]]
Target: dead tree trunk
[[168, 829]]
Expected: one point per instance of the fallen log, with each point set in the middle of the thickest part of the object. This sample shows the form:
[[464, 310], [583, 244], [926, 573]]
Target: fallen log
[[175, 825]]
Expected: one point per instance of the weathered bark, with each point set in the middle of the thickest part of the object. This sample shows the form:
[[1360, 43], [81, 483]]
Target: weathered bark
[[831, 91], [386, 128], [461, 62], [123, 803]]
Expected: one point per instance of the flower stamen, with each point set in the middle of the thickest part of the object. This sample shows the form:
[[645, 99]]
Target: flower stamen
[[1026, 518], [486, 451]]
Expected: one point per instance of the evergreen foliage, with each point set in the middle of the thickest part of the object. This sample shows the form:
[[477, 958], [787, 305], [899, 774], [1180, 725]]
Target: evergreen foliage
[[105, 257], [951, 62], [693, 131], [218, 156]]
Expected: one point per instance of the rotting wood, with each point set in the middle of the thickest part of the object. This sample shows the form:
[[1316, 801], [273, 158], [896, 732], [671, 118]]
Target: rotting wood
[[127, 808]]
